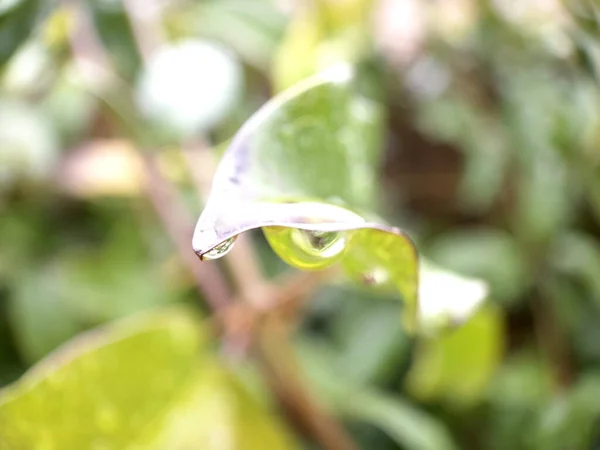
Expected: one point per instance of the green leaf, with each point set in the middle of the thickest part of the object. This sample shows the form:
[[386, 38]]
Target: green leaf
[[570, 421], [456, 367], [105, 387], [322, 34], [217, 412], [490, 254], [259, 26], [405, 424], [446, 298], [116, 35], [41, 317], [17, 23], [300, 167]]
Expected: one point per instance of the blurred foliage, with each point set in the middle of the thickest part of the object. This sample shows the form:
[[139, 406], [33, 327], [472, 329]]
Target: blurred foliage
[[489, 156]]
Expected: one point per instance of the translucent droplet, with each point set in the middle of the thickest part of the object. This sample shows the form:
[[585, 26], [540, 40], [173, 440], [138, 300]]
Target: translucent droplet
[[305, 249], [219, 250]]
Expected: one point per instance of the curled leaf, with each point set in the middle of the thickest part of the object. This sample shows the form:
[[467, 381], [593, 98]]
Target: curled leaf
[[303, 168]]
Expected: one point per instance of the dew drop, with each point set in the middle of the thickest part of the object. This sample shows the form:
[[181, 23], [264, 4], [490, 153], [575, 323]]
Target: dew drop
[[305, 249], [220, 250]]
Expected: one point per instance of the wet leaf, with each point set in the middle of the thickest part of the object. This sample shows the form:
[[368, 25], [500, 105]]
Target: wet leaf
[[456, 367], [103, 388], [303, 167]]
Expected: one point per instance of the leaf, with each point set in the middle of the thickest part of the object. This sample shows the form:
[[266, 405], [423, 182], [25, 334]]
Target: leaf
[[369, 337], [570, 422], [446, 298], [41, 317], [28, 144], [116, 35], [217, 412], [319, 36], [17, 23], [406, 425], [487, 253], [104, 387], [300, 167], [457, 367], [258, 26]]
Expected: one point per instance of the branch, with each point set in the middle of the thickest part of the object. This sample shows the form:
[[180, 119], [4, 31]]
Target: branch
[[280, 369], [178, 224]]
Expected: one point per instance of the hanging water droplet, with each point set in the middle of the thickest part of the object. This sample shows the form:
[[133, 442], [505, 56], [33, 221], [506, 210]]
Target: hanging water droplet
[[306, 249], [220, 250]]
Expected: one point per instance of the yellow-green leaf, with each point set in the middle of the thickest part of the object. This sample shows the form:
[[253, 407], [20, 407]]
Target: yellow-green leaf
[[216, 412], [457, 366], [103, 388]]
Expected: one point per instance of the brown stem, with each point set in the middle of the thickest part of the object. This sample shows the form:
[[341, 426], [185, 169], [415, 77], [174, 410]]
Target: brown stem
[[178, 223], [551, 339], [276, 357]]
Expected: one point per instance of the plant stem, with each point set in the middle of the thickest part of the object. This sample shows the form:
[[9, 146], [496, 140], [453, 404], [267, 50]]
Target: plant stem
[[280, 369], [208, 279], [551, 339]]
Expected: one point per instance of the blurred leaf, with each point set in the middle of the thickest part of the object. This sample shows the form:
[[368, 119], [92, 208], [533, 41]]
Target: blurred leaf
[[485, 253], [40, 315], [517, 393], [570, 422], [105, 387], [296, 57], [408, 426], [17, 23], [112, 280], [447, 299], [217, 413], [319, 36], [28, 144], [29, 70], [258, 27], [114, 30], [457, 367], [70, 107], [534, 104], [369, 335], [405, 424], [473, 131], [578, 255]]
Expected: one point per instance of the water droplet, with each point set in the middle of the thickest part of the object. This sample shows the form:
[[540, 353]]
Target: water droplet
[[305, 249], [220, 250]]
